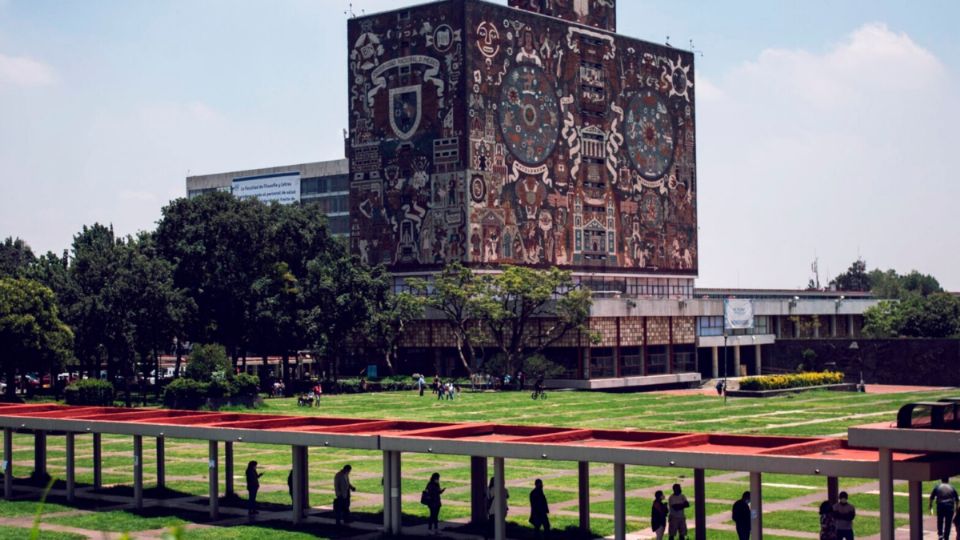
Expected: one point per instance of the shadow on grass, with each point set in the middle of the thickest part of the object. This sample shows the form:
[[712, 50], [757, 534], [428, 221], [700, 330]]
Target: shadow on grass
[[515, 530]]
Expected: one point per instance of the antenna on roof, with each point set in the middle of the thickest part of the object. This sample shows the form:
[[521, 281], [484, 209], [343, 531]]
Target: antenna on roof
[[695, 50], [667, 42], [350, 12]]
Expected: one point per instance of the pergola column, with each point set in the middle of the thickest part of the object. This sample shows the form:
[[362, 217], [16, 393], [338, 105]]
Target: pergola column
[[833, 489], [7, 463], [478, 491], [214, 481], [886, 494], [387, 488], [297, 483], [916, 509], [228, 469], [500, 502], [736, 360], [138, 472], [40, 454], [97, 461], [71, 467], [700, 503], [756, 506], [619, 502], [583, 494], [396, 494], [714, 362], [161, 464]]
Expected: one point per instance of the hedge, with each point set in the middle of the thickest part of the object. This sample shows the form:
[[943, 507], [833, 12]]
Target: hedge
[[796, 380], [186, 393], [89, 392]]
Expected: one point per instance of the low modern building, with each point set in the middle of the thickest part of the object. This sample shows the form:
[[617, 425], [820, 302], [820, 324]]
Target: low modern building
[[321, 184]]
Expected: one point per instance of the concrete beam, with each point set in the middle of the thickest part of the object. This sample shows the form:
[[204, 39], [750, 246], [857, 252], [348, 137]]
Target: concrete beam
[[700, 503], [138, 472], [619, 502], [161, 464], [7, 463], [916, 509], [583, 494], [499, 500], [885, 476], [756, 506], [71, 467], [478, 491], [214, 481]]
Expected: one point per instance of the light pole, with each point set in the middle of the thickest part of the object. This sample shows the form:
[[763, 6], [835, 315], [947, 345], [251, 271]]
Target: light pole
[[724, 363]]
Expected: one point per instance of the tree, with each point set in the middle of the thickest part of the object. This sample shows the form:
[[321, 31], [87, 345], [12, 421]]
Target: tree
[[16, 257], [208, 362], [890, 284], [278, 302], [854, 279], [392, 313], [527, 310], [936, 316], [455, 293], [882, 320], [32, 336]]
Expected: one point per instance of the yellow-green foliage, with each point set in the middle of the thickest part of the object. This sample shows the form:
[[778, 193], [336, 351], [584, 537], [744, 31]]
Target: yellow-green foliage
[[796, 380]]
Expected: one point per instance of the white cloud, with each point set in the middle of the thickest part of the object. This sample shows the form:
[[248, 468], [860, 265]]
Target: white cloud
[[24, 71], [838, 152]]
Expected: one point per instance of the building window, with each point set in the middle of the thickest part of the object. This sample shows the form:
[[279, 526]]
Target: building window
[[709, 326]]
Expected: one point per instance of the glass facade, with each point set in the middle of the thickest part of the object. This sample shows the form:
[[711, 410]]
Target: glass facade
[[329, 195], [713, 326]]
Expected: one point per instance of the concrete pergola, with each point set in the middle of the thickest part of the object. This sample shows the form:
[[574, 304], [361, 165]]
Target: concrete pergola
[[826, 457]]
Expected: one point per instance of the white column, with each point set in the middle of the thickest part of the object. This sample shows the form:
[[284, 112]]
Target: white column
[[619, 502], [850, 333], [833, 326], [138, 471], [758, 359], [500, 506], [756, 507], [387, 484], [214, 480], [916, 509], [736, 360], [886, 494], [71, 467], [714, 362]]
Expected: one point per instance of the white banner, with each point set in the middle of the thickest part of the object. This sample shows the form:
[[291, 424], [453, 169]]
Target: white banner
[[737, 313], [283, 188]]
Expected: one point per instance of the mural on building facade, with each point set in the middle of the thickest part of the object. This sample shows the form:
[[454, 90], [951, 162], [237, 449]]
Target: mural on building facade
[[597, 13], [519, 139]]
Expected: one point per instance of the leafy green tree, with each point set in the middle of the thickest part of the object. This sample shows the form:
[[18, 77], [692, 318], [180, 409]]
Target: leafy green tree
[[391, 315], [935, 316], [854, 279], [882, 320], [890, 284], [454, 293], [32, 336], [16, 258], [278, 303], [527, 310], [207, 362]]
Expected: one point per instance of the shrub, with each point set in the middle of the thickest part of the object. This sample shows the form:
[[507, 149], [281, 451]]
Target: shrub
[[246, 385], [185, 393], [797, 380], [89, 392]]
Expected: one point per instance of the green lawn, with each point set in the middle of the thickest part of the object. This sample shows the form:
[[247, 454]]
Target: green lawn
[[186, 465]]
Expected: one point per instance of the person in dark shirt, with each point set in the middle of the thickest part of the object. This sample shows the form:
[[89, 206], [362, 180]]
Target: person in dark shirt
[[945, 497], [658, 515], [539, 510], [741, 516], [253, 486]]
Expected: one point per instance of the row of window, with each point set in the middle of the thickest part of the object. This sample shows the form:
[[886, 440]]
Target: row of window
[[324, 184], [713, 326], [328, 204]]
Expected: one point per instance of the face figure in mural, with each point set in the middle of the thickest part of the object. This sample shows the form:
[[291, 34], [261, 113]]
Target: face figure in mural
[[488, 39]]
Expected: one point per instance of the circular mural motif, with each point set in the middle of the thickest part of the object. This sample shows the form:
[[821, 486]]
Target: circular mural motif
[[478, 189], [529, 114], [650, 135]]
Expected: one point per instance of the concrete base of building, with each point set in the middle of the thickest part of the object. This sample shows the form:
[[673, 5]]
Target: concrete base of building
[[615, 383]]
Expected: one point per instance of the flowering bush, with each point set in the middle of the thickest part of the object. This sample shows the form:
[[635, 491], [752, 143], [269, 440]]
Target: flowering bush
[[796, 380]]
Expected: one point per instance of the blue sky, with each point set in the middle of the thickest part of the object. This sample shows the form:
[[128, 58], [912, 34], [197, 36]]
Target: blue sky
[[824, 127]]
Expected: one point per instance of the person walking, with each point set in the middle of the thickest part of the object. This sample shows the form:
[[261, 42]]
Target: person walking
[[342, 489], [945, 497], [421, 383], [492, 507], [741, 516], [317, 392], [539, 509], [677, 523], [431, 498], [253, 486], [658, 515], [828, 528], [843, 515]]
